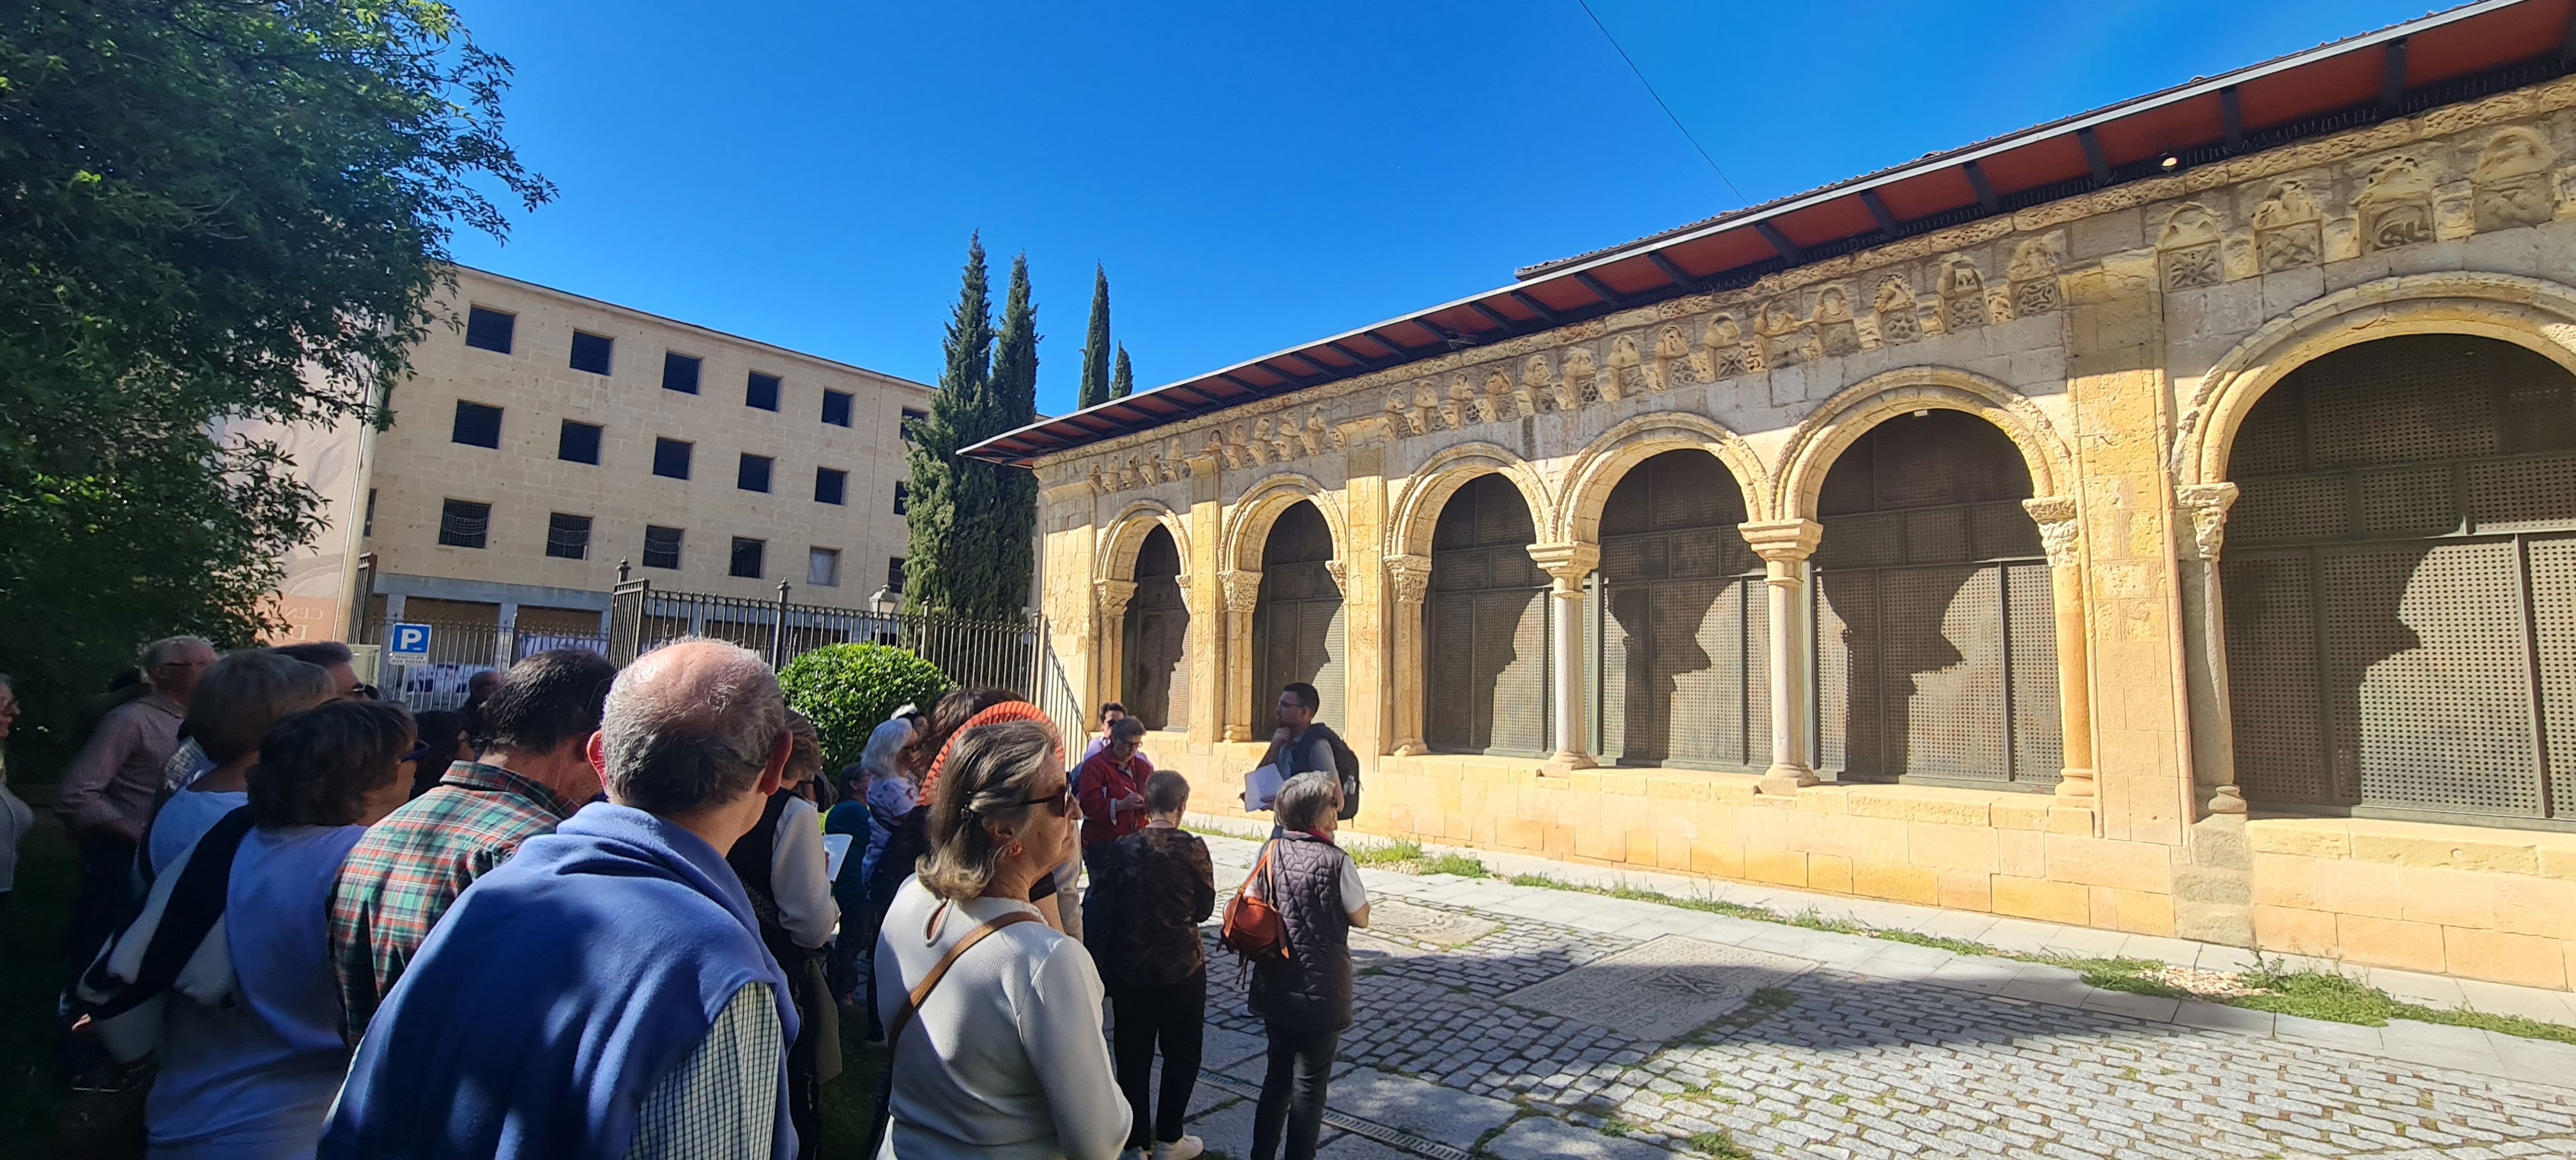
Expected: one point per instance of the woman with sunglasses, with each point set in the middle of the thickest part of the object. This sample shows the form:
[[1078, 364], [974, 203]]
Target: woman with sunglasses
[[1003, 1055]]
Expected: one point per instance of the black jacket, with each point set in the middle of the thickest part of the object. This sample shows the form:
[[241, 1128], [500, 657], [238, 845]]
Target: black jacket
[[1311, 989], [1151, 891]]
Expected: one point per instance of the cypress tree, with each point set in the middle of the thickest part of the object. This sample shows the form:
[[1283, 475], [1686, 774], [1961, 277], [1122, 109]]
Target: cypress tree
[[939, 556], [1005, 509], [1123, 383], [1095, 344]]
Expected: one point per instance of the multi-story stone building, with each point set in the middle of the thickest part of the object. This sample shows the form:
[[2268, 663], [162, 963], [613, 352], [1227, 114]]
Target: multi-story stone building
[[2163, 520], [555, 437]]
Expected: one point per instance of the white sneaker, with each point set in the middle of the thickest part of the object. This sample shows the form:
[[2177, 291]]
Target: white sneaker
[[1185, 1148]]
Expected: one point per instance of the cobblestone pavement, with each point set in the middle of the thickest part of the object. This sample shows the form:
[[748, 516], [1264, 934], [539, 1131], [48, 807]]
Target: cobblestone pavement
[[1844, 1063]]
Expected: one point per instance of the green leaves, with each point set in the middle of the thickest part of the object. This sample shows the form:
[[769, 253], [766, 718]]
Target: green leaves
[[971, 523], [847, 690]]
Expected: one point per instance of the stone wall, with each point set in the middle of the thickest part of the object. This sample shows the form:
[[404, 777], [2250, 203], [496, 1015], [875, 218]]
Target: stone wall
[[2117, 338]]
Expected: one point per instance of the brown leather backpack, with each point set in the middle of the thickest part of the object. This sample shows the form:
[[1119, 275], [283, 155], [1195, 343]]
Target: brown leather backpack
[[1253, 928]]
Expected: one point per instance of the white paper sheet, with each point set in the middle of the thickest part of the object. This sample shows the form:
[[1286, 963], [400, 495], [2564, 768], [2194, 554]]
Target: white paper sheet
[[836, 850], [1261, 787]]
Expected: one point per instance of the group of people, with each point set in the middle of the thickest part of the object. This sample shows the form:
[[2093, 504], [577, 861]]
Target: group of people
[[592, 917]]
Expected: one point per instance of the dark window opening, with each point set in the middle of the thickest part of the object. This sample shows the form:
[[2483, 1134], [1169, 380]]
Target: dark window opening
[[836, 408], [831, 485], [568, 537], [679, 372], [911, 415], [753, 475], [823, 567], [671, 458], [661, 547], [894, 573], [464, 523], [902, 497], [746, 557], [761, 392], [579, 443], [489, 329], [369, 528], [590, 352], [477, 425]]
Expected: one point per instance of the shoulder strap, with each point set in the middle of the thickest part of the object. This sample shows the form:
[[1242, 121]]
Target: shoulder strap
[[1258, 865], [196, 901], [930, 982]]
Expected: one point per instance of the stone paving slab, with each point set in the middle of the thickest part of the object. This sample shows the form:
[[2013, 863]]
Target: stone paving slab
[[1542, 1139], [1425, 1109]]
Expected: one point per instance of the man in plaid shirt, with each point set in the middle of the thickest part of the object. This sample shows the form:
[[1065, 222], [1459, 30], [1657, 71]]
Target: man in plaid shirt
[[534, 771]]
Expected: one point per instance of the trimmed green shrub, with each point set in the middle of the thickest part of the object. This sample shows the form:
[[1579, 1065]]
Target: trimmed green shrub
[[850, 689]]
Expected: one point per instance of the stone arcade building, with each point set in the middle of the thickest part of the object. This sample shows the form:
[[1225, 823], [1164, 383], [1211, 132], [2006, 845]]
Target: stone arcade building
[[2162, 520]]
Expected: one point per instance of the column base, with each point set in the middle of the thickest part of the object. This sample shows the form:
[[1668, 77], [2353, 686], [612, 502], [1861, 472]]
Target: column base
[[1237, 733], [2075, 786], [1569, 762], [2227, 799], [1784, 780], [1409, 749]]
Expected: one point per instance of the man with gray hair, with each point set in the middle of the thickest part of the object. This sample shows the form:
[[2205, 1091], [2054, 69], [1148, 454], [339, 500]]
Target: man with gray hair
[[108, 791], [605, 992]]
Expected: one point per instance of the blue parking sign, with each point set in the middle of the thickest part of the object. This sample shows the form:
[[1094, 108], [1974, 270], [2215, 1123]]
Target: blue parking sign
[[408, 642]]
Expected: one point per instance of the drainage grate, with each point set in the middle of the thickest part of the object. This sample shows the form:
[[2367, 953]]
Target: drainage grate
[[1390, 1137]]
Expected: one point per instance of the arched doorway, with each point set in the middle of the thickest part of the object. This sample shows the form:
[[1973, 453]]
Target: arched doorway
[[1297, 621], [1936, 650], [1155, 654], [1684, 661], [2400, 582], [1485, 626]]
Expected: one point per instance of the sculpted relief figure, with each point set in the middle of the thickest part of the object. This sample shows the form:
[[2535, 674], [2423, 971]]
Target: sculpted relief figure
[[1963, 294], [1582, 384], [1895, 308], [2396, 205], [1837, 332], [2512, 181], [2188, 249], [2287, 226], [1536, 383], [1317, 432], [1426, 405], [1460, 410], [1626, 375], [1498, 395], [1785, 339], [1399, 415], [1721, 350], [2032, 275], [1670, 349]]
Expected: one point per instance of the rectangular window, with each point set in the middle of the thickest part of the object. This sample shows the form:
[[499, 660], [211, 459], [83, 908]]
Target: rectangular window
[[579, 443], [836, 408], [831, 485], [894, 573], [661, 547], [753, 475], [568, 537], [823, 567], [463, 523], [590, 352], [761, 392], [477, 425], [911, 415], [902, 494], [369, 528], [671, 458], [679, 372], [746, 558], [489, 329]]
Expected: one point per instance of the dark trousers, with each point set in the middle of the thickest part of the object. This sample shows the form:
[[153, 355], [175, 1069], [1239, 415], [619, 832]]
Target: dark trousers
[[1172, 1016], [1292, 1093], [106, 902]]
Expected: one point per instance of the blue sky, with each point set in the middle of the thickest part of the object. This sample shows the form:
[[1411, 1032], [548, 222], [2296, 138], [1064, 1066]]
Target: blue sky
[[807, 173]]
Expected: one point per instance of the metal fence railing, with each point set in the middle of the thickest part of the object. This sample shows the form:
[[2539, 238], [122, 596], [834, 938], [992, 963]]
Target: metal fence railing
[[1015, 654], [457, 651]]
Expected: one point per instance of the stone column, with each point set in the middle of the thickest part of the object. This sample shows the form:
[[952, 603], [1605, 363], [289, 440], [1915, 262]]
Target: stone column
[[1408, 580], [1784, 546], [505, 638], [1242, 595], [1567, 565], [1109, 604], [2214, 768], [1204, 593], [2059, 535]]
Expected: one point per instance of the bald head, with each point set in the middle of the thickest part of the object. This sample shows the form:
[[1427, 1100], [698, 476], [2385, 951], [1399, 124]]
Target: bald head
[[689, 726]]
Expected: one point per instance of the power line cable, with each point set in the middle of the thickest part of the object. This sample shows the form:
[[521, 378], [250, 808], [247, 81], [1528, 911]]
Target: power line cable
[[1687, 135]]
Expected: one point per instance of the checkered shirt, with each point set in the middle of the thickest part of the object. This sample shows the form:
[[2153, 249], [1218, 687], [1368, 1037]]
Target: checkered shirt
[[410, 867]]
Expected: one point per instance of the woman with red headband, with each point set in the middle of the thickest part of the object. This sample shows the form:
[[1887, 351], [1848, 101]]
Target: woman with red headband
[[992, 1016]]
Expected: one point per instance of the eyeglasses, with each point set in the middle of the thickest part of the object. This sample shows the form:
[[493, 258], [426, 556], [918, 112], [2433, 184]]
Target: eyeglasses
[[1061, 801], [418, 751]]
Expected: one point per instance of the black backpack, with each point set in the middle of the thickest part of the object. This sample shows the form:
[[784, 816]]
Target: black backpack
[[1346, 765]]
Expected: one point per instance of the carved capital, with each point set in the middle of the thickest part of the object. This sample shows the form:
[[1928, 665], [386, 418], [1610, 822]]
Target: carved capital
[[1242, 589], [1340, 571], [2207, 504], [2058, 527], [1189, 600], [1111, 596], [1567, 563], [1410, 576], [1783, 542]]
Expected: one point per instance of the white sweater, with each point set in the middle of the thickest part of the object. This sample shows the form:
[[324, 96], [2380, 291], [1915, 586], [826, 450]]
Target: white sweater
[[1007, 1060]]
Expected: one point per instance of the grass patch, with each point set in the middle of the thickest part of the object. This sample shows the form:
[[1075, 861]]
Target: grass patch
[[1956, 946], [1615, 1128], [1811, 920], [1461, 865], [1717, 1144], [2319, 995], [1384, 853], [2135, 976]]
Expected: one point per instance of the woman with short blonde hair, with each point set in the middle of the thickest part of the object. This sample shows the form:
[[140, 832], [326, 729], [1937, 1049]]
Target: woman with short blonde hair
[[997, 1049]]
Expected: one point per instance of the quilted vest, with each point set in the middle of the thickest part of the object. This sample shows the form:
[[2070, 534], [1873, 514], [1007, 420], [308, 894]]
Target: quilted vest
[[1311, 988]]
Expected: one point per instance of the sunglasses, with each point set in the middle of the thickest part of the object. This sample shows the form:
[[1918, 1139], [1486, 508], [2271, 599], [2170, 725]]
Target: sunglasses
[[1061, 801], [417, 752]]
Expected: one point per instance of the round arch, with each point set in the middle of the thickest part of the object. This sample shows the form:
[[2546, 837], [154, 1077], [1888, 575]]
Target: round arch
[[2532, 313], [1427, 490], [1822, 437], [1125, 534], [1247, 529], [1598, 468]]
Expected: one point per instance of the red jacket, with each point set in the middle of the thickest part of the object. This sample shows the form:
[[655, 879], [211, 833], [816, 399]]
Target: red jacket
[[1099, 786]]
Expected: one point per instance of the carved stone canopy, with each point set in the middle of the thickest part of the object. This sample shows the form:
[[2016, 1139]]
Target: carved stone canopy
[[1242, 589], [1568, 563], [2207, 504], [2058, 527], [1410, 577], [1783, 541]]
